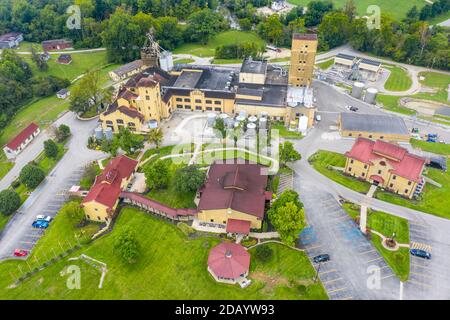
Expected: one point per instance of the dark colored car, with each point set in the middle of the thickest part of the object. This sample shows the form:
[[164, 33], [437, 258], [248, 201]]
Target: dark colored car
[[354, 109], [321, 258], [420, 253]]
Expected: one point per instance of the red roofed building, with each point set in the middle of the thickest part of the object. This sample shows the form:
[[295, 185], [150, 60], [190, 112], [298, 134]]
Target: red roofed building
[[385, 164], [228, 262], [101, 201], [24, 138], [234, 192]]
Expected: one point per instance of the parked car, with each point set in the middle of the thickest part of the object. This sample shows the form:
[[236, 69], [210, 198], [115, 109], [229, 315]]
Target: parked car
[[44, 218], [415, 130], [321, 258], [318, 117], [354, 109], [40, 224], [432, 137], [420, 253], [20, 253]]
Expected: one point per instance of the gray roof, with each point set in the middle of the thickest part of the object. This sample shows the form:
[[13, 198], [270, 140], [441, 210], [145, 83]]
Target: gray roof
[[253, 66], [373, 123], [345, 56], [188, 79], [273, 95], [128, 67], [371, 62], [210, 78]]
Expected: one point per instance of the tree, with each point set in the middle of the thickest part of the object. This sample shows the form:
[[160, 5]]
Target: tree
[[219, 127], [38, 60], [271, 29], [204, 24], [130, 142], [263, 253], [126, 244], [31, 176], [9, 201], [285, 197], [333, 31], [51, 149], [288, 219], [157, 175], [288, 153], [350, 9], [74, 212], [62, 133], [155, 136], [168, 32], [189, 179], [316, 11]]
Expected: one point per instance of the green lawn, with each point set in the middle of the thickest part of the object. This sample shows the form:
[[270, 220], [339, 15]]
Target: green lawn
[[326, 64], [227, 61], [391, 103], [440, 18], [433, 200], [183, 61], [398, 80], [223, 38], [396, 9], [5, 165], [170, 266], [434, 147], [284, 132], [437, 81], [386, 224], [82, 62], [322, 160]]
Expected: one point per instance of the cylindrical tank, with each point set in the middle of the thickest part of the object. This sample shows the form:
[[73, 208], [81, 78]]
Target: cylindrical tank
[[240, 118], [371, 95], [211, 119], [262, 123], [223, 116], [229, 123], [357, 89], [153, 124], [243, 113], [98, 133], [252, 119], [108, 133], [251, 129], [264, 114]]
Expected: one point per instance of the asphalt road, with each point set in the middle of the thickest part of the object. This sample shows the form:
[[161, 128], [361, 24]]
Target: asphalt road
[[51, 194], [336, 235]]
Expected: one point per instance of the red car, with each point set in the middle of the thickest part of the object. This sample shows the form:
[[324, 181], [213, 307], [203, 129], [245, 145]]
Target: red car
[[20, 253]]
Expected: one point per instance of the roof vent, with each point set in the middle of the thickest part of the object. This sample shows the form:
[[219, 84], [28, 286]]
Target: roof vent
[[228, 254]]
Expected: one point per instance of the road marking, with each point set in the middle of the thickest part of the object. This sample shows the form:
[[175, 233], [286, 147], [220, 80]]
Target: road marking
[[401, 291], [419, 283], [389, 276], [422, 274], [347, 298], [27, 242], [339, 289], [421, 266], [331, 280], [371, 250], [327, 271], [380, 257]]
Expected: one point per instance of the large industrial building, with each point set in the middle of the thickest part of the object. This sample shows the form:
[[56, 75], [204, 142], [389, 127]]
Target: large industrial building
[[373, 126], [255, 88]]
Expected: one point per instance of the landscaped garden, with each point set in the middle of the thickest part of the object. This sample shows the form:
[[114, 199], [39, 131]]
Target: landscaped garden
[[284, 132], [391, 103], [387, 224], [433, 200], [169, 266], [325, 64]]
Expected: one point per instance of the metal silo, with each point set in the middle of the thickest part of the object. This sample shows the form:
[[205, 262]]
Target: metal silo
[[371, 95], [357, 89]]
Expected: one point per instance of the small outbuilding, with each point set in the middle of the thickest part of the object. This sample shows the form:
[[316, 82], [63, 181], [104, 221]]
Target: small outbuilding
[[23, 139], [64, 59], [63, 94], [10, 40], [57, 44], [229, 262]]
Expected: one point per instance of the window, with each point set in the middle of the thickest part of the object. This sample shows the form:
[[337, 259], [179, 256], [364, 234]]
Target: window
[[409, 183], [370, 136], [147, 97], [212, 220], [382, 137], [187, 100], [363, 174], [131, 124], [379, 171], [351, 161], [394, 177], [365, 166], [198, 101], [350, 134], [382, 163], [391, 185], [350, 169], [187, 106], [224, 222], [179, 99], [198, 107], [120, 121], [208, 101], [179, 106], [109, 122], [209, 108], [98, 218], [217, 102], [217, 109], [406, 190], [88, 216]]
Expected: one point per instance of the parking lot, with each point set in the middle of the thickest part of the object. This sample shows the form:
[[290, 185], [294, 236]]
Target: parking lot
[[353, 257]]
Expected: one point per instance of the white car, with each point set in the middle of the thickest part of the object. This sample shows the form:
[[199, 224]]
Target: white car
[[45, 218], [318, 117]]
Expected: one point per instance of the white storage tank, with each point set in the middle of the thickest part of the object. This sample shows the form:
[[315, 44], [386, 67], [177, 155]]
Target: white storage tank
[[211, 119], [98, 133], [303, 124], [243, 113], [223, 116], [153, 124], [240, 118], [251, 129], [252, 119], [108, 133], [371, 95], [357, 89], [166, 61], [263, 123], [229, 123]]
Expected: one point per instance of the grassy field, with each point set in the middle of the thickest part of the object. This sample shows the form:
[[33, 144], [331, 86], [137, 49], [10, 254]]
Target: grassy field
[[396, 9], [223, 38], [440, 18], [322, 160], [438, 148], [433, 200], [5, 165], [183, 61], [386, 224], [284, 132], [437, 81], [227, 61], [170, 266], [82, 62], [391, 103], [326, 64], [398, 80]]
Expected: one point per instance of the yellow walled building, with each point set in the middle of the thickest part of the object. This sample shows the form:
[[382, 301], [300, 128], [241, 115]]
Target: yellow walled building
[[387, 165], [101, 201], [303, 59]]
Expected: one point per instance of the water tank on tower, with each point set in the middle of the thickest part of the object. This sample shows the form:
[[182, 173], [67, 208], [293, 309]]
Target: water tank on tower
[[98, 133], [357, 89], [253, 119], [371, 95], [262, 123]]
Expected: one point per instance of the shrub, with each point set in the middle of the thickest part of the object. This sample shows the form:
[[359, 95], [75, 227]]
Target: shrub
[[9, 201], [127, 245], [51, 149], [186, 229], [263, 253], [31, 176]]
